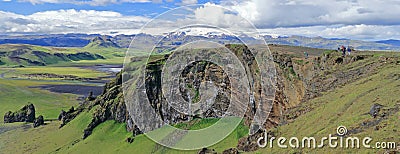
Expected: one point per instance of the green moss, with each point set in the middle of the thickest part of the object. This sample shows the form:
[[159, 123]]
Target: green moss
[[328, 52]]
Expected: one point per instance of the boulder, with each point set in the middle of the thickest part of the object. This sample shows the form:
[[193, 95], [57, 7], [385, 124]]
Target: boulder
[[249, 143], [130, 139], [38, 121], [62, 115], [231, 151], [9, 117], [207, 151], [90, 96], [374, 111], [25, 114]]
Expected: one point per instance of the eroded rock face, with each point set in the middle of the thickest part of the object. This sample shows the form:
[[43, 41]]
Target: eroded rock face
[[25, 114]]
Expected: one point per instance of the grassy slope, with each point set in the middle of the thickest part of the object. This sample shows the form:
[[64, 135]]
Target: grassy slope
[[44, 139], [112, 55], [348, 106], [109, 137], [344, 106], [75, 71], [15, 94]]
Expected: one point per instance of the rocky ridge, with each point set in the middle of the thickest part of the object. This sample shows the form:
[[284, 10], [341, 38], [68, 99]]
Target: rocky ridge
[[298, 80]]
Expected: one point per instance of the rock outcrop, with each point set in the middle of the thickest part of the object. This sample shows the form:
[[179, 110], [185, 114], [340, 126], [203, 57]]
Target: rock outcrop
[[25, 114], [231, 151], [38, 121], [207, 151], [109, 105], [298, 80], [374, 111]]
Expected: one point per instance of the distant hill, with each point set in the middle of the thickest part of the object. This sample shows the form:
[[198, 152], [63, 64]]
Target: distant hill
[[390, 42], [325, 43], [123, 41], [102, 42], [55, 40], [29, 55]]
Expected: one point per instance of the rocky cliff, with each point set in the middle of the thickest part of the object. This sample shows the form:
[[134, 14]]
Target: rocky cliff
[[298, 79]]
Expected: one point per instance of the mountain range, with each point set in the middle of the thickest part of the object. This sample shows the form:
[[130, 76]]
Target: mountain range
[[81, 40]]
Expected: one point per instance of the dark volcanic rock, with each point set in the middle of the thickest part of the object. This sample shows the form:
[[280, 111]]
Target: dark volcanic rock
[[249, 143], [130, 139], [38, 121], [207, 151], [62, 115], [26, 114], [66, 117], [374, 111], [231, 151]]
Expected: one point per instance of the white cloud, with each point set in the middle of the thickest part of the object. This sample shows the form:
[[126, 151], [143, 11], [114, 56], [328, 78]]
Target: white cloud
[[357, 32], [357, 19], [217, 16], [69, 21], [188, 2], [289, 13]]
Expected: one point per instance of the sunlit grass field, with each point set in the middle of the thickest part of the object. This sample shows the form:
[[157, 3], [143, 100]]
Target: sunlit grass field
[[16, 93]]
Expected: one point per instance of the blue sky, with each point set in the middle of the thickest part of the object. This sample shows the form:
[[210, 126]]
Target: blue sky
[[354, 19], [150, 9]]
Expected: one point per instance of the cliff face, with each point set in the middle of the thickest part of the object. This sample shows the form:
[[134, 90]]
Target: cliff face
[[298, 80]]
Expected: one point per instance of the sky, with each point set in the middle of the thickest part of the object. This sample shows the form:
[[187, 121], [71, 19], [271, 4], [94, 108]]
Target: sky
[[352, 19]]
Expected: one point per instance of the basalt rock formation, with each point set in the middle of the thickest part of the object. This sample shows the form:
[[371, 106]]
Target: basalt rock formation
[[300, 80], [25, 114], [38, 121], [297, 80], [109, 105]]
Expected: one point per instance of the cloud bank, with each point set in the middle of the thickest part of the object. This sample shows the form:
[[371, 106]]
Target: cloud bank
[[69, 21], [355, 19]]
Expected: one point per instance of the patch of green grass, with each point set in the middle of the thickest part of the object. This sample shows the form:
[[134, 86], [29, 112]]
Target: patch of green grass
[[44, 139], [196, 124], [299, 61], [75, 71], [291, 70], [108, 137], [112, 55], [16, 93], [328, 52]]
